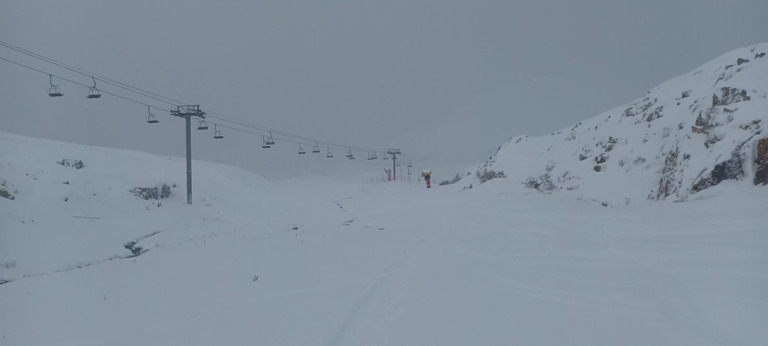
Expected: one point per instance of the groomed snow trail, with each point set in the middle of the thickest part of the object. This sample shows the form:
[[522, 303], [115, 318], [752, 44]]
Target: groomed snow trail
[[389, 264], [518, 269], [369, 319]]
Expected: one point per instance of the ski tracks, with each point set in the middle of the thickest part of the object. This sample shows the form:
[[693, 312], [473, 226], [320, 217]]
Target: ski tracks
[[369, 319]]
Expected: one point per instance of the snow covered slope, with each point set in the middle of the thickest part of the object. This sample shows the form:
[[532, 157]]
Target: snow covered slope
[[73, 205], [687, 134], [85, 261]]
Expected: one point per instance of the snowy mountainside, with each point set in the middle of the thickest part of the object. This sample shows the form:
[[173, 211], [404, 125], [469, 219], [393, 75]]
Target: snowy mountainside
[[687, 134]]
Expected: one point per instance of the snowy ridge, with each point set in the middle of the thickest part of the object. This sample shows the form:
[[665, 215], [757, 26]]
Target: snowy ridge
[[685, 135]]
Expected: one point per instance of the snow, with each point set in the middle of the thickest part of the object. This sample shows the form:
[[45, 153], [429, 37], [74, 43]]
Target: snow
[[317, 261]]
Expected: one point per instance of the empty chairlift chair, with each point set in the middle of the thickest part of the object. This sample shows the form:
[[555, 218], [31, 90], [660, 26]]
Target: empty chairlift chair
[[216, 132], [202, 125], [301, 150], [329, 154], [94, 92], [264, 143], [316, 149], [53, 90], [270, 140], [349, 154], [151, 119]]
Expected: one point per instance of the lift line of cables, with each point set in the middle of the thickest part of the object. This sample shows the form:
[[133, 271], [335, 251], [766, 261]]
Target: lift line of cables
[[267, 134]]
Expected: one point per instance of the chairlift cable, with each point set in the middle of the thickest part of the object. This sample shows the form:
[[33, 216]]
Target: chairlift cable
[[286, 136], [106, 80]]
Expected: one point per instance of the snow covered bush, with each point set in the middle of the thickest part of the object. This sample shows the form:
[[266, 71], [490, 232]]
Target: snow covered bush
[[152, 192], [4, 193], [71, 163], [452, 181], [543, 183], [487, 174]]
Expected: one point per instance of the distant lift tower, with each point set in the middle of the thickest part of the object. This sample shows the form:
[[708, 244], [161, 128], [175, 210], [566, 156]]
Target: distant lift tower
[[394, 153], [187, 112]]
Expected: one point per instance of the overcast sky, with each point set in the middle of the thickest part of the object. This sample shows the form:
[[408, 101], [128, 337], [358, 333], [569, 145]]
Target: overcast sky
[[446, 81]]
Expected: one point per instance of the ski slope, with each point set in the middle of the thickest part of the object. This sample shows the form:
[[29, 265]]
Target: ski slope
[[323, 262]]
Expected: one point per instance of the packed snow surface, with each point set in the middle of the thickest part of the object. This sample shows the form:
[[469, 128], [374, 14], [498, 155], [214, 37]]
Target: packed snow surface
[[322, 262]]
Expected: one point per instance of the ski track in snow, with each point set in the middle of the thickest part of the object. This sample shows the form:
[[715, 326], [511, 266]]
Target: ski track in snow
[[381, 302]]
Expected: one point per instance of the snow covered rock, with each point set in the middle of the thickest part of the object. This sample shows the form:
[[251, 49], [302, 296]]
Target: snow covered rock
[[686, 135]]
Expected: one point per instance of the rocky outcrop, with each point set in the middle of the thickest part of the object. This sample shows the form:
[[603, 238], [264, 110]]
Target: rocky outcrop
[[761, 161], [668, 183], [730, 169], [729, 96]]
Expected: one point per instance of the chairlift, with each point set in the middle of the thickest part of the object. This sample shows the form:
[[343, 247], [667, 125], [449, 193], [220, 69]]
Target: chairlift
[[94, 92], [372, 157], [264, 143], [410, 164], [301, 150], [216, 132], [53, 91], [349, 154], [386, 157], [270, 140], [329, 154], [316, 150], [202, 126], [151, 117]]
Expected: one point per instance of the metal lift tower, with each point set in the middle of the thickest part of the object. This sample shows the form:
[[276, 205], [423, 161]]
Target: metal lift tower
[[394, 153], [187, 112]]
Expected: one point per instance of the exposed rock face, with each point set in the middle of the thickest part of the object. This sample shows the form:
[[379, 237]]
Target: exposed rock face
[[667, 182], [761, 176], [730, 169], [729, 96]]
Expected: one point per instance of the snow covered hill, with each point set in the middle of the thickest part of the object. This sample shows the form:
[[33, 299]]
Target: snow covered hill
[[686, 135], [70, 206], [85, 259]]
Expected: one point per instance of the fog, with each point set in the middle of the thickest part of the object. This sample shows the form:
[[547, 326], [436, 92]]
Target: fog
[[445, 81]]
